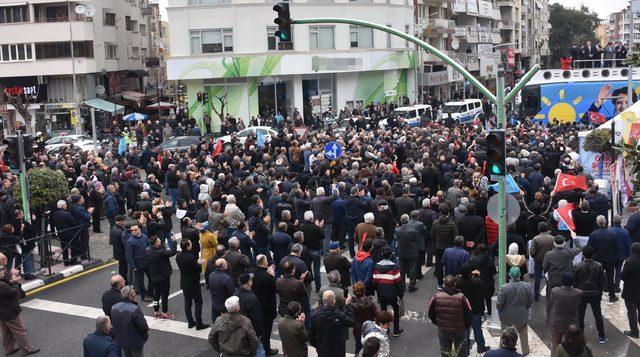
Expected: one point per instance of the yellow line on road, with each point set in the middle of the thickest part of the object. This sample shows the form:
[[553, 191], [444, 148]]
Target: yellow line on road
[[69, 278]]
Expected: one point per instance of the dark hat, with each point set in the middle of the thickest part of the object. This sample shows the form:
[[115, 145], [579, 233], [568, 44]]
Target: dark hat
[[120, 218], [244, 278], [75, 198], [567, 279], [334, 245]]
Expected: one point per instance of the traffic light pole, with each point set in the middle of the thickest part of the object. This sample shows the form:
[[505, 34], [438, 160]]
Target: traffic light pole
[[502, 198], [24, 187]]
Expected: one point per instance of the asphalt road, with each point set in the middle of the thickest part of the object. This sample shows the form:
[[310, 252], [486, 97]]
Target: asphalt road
[[58, 318]]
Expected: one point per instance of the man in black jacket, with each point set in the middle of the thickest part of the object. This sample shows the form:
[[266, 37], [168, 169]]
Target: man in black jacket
[[407, 252], [589, 277], [264, 287], [190, 269], [605, 245], [251, 307], [115, 239], [68, 232], [471, 286], [631, 289], [112, 296], [12, 328], [160, 272], [326, 332], [471, 227]]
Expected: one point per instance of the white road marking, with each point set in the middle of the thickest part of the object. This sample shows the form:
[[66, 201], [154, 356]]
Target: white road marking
[[171, 326], [536, 346], [179, 292]]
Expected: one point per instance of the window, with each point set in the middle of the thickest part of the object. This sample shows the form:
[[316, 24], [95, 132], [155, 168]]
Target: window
[[389, 37], [134, 52], [17, 52], [273, 43], [109, 19], [110, 50], [14, 14], [50, 50], [128, 23], [360, 37], [143, 30], [211, 41], [143, 52], [134, 26], [321, 37]]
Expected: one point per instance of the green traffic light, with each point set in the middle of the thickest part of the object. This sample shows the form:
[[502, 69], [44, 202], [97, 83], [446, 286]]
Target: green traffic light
[[283, 37], [495, 169]]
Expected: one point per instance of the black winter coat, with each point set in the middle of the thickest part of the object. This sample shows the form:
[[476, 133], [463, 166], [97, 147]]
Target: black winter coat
[[189, 271], [264, 287], [251, 308], [115, 239], [9, 295], [631, 275], [326, 331], [158, 262]]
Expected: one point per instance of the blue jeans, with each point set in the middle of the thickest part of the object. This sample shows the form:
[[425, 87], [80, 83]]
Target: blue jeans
[[173, 192], [260, 352], [316, 255], [476, 326], [139, 279], [538, 278]]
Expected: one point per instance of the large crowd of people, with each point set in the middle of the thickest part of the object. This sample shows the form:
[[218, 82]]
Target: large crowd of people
[[258, 219]]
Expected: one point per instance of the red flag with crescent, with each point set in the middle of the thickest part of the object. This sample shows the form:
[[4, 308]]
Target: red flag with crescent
[[565, 216], [569, 182], [597, 118], [218, 149]]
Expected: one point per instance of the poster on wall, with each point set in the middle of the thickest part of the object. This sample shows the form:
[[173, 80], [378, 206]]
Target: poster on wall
[[472, 6], [485, 50], [593, 102], [315, 104]]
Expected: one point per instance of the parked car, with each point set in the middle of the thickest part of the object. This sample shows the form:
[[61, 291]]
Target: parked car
[[179, 143], [243, 134]]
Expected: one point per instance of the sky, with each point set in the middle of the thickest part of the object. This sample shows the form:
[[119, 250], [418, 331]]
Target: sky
[[602, 7]]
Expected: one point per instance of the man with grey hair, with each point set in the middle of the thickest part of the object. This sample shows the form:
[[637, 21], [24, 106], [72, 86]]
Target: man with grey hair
[[326, 331], [321, 207], [238, 262], [130, 329], [232, 334], [334, 285], [605, 245], [407, 238], [99, 343], [314, 238], [67, 227]]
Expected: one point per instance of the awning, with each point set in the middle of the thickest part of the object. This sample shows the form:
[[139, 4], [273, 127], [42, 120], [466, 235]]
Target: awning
[[137, 73], [132, 95], [163, 106], [104, 105]]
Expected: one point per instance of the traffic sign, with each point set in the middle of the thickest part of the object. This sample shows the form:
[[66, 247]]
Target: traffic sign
[[512, 210], [332, 150]]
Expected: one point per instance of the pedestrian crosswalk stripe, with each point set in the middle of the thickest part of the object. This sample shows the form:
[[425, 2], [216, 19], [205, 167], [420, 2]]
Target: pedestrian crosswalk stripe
[[171, 326]]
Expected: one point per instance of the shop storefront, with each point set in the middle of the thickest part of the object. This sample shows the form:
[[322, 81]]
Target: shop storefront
[[23, 97]]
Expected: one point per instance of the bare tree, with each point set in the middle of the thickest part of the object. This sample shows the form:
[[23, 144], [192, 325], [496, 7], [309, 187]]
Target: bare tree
[[22, 107], [223, 104]]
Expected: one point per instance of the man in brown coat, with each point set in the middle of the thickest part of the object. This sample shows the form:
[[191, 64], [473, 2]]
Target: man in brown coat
[[232, 334], [452, 313], [291, 289]]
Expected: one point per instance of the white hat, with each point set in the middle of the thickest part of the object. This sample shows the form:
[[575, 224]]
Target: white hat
[[181, 213]]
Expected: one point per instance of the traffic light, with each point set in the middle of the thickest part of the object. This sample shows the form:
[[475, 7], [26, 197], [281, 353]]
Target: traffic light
[[496, 153], [11, 153], [283, 21], [205, 98], [28, 146], [199, 96]]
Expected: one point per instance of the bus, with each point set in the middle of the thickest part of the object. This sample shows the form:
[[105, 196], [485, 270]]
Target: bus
[[592, 95]]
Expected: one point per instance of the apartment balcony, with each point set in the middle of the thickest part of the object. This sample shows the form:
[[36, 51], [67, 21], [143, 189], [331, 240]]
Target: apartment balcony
[[54, 31], [506, 3], [48, 67], [508, 25], [441, 23]]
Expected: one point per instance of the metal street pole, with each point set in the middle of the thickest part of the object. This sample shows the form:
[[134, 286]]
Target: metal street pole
[[24, 187], [93, 131], [502, 198], [631, 43], [78, 127]]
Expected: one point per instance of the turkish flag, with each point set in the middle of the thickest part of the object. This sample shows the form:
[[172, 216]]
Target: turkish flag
[[565, 216], [569, 182], [218, 149], [596, 118]]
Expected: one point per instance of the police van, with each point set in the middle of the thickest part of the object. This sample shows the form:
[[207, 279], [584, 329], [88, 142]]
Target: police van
[[463, 111], [412, 115]]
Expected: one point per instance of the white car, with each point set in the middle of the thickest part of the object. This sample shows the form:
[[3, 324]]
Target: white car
[[463, 111], [76, 140], [243, 134]]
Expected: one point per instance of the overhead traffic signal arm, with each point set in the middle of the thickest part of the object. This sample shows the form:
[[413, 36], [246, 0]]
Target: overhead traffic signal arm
[[283, 21], [496, 153]]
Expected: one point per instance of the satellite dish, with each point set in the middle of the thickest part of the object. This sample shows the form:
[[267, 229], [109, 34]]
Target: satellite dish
[[512, 211], [80, 9], [100, 90], [90, 10], [455, 44]]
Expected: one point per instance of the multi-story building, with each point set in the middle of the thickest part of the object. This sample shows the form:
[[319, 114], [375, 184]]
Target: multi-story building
[[228, 50], [534, 25], [618, 27], [46, 44]]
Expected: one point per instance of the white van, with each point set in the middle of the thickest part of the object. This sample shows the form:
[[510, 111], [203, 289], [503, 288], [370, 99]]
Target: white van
[[412, 114], [463, 111]]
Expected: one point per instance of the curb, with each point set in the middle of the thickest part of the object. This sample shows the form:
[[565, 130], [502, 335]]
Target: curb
[[72, 270]]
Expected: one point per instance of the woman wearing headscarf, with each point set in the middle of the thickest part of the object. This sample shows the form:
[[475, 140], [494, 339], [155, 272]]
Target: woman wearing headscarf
[[516, 260]]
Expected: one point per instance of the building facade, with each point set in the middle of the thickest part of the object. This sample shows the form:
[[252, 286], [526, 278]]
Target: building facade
[[44, 43], [228, 50], [618, 27]]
